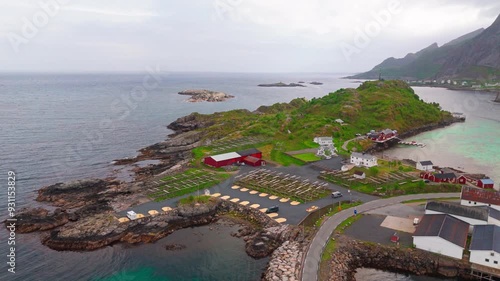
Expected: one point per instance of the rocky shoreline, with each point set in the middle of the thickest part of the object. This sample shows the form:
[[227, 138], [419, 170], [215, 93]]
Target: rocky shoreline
[[351, 254], [205, 95], [90, 232]]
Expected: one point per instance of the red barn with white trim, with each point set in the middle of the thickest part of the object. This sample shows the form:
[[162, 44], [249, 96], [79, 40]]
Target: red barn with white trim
[[221, 160]]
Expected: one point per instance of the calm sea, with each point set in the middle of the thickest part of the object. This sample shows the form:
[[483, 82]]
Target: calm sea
[[58, 127]]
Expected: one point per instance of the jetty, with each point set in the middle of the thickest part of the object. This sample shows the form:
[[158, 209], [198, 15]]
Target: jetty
[[414, 143]]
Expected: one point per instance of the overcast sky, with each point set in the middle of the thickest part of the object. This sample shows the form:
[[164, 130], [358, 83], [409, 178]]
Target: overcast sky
[[227, 35]]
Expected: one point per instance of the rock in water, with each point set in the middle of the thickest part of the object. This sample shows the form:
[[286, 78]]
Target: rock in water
[[205, 95]]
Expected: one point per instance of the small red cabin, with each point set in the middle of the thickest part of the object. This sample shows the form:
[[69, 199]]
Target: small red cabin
[[485, 183], [461, 180], [254, 161]]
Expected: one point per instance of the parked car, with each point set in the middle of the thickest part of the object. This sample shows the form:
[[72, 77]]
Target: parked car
[[273, 209], [336, 194]]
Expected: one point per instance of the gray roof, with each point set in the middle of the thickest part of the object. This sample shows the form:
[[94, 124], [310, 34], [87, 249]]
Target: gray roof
[[426, 163], [363, 155], [444, 226], [445, 176], [247, 152], [486, 238], [458, 210], [494, 213]]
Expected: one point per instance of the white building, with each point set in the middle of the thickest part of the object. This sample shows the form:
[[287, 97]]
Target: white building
[[359, 175], [472, 196], [323, 140], [472, 216], [425, 166], [441, 234], [363, 159], [131, 215], [340, 121], [485, 246]]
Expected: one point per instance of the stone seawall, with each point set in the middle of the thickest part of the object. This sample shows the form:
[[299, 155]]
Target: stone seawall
[[352, 254]]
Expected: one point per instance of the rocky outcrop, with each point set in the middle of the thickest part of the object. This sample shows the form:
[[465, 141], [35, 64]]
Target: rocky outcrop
[[175, 247], [281, 84], [190, 122], [76, 193], [100, 230], [352, 254], [39, 219], [205, 95], [285, 263]]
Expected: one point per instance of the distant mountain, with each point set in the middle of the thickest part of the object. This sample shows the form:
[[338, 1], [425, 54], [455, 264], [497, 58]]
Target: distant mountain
[[475, 55]]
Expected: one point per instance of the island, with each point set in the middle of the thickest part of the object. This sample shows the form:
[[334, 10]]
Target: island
[[205, 95], [89, 214], [316, 83], [281, 84]]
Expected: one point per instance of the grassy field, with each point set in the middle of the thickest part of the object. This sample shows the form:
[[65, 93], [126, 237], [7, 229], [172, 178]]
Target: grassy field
[[307, 157]]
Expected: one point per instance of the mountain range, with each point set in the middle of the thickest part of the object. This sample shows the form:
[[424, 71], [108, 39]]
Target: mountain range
[[473, 56]]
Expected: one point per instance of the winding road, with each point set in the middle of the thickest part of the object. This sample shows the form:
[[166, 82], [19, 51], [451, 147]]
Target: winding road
[[313, 255]]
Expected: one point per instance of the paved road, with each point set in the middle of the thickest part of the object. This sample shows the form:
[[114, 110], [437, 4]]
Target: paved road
[[313, 255]]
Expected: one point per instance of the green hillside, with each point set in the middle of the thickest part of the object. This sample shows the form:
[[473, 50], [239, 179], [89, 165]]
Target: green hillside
[[373, 105]]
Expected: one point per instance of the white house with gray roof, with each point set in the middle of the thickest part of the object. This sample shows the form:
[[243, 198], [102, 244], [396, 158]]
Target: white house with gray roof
[[425, 166], [485, 246], [363, 159]]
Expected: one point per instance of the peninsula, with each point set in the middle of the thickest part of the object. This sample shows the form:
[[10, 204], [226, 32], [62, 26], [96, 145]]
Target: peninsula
[[205, 95], [93, 213]]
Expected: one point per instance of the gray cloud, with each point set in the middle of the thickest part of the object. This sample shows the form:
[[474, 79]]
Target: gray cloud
[[244, 35]]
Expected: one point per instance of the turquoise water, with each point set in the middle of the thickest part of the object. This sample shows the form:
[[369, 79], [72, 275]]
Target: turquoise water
[[211, 254], [473, 146]]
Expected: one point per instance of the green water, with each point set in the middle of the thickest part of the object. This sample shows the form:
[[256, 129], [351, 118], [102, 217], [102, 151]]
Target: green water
[[472, 146]]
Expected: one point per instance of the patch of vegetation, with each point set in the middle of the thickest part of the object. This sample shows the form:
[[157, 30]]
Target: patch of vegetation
[[393, 188], [317, 217], [194, 199], [345, 224], [307, 157], [425, 200], [292, 126]]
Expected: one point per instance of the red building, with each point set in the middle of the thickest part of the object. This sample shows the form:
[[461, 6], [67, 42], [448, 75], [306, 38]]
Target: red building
[[446, 177], [254, 161], [461, 180], [250, 156], [485, 183], [250, 152], [221, 160]]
